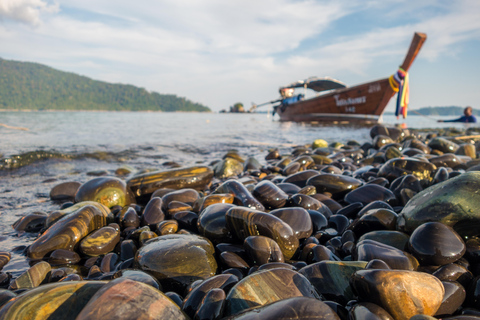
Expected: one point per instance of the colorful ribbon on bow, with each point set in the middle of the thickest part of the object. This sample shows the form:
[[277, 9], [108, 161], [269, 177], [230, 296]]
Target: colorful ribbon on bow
[[399, 83]]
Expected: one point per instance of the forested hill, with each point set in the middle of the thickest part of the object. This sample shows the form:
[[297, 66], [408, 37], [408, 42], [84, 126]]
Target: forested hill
[[32, 86]]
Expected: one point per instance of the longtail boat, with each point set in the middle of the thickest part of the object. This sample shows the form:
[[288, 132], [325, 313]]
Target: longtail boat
[[339, 103]]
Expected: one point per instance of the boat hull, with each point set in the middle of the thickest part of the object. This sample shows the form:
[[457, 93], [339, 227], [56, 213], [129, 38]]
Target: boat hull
[[362, 103]]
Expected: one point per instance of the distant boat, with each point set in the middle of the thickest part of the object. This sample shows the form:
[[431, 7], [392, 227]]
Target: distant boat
[[361, 103]]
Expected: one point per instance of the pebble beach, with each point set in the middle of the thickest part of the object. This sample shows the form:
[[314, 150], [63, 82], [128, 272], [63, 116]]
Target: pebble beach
[[381, 228]]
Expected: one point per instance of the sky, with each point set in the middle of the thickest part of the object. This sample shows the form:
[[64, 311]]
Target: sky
[[218, 52]]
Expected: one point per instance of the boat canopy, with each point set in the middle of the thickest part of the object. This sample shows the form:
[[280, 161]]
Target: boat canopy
[[317, 84]]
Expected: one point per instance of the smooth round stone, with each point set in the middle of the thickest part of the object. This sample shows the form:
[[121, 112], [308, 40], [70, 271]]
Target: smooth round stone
[[402, 294], [454, 272], [434, 243], [300, 178], [187, 196], [297, 218], [62, 256], [441, 175], [319, 221], [368, 311], [443, 145], [5, 279], [145, 236], [453, 202], [71, 277], [65, 191], [4, 259], [167, 227], [262, 250], [374, 205], [194, 298], [395, 239], [5, 296], [367, 250], [381, 140], [212, 223], [233, 260], [394, 168], [108, 262], [331, 204], [452, 300], [319, 143], [185, 259], [473, 294], [128, 299], [193, 177], [264, 287], [54, 301], [288, 309], [369, 193], [212, 305], [33, 222], [332, 278], [446, 160], [304, 201], [252, 164], [31, 278], [153, 213], [351, 210], [273, 154], [467, 149], [100, 242], [392, 153], [408, 181], [338, 222], [291, 168], [130, 219], [275, 265], [335, 184], [374, 219], [203, 203], [392, 132], [244, 222], [109, 191], [227, 168], [377, 264], [289, 188], [332, 170], [308, 190], [187, 220], [139, 276], [67, 232], [269, 195], [416, 144], [241, 193], [423, 317], [59, 214]]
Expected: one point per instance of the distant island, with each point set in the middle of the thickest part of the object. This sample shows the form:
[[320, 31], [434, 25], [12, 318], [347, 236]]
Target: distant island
[[33, 86], [438, 111]]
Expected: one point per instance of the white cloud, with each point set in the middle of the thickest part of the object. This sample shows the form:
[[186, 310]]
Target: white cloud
[[25, 11], [216, 51]]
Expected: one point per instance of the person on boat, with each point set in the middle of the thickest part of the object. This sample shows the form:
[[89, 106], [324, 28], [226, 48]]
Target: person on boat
[[467, 117]]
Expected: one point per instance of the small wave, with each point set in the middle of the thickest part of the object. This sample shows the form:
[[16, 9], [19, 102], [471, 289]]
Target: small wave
[[28, 158]]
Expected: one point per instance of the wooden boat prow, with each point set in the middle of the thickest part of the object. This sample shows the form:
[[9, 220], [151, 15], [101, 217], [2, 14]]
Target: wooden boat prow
[[361, 103]]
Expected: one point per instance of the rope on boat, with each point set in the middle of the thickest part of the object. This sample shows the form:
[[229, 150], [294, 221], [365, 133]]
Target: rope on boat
[[399, 82]]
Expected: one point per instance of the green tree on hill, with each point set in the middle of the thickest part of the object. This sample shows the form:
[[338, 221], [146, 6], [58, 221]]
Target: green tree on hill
[[25, 85]]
